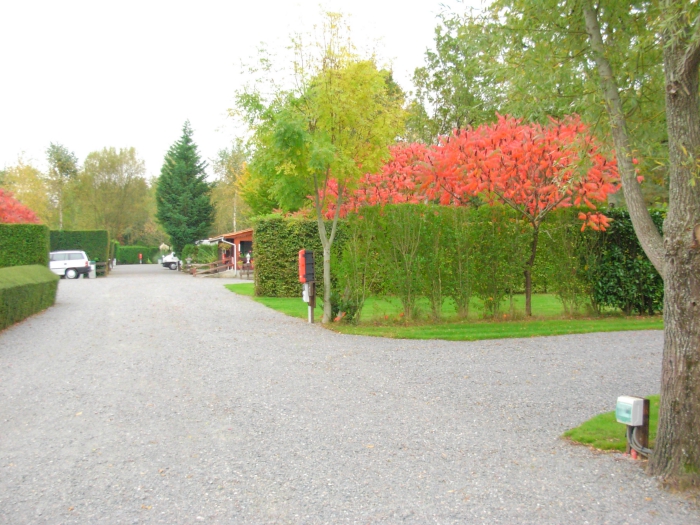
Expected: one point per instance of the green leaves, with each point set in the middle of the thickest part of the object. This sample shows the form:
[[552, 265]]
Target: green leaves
[[183, 195]]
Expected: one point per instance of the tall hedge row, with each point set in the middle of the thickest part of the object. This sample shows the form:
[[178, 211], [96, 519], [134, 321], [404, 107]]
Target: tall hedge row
[[276, 245], [433, 252], [130, 254], [95, 243], [25, 290], [24, 244], [437, 253]]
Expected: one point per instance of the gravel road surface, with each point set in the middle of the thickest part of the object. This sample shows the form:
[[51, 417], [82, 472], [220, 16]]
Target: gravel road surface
[[154, 397]]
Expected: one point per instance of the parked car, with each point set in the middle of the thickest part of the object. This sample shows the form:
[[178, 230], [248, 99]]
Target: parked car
[[170, 261], [69, 263]]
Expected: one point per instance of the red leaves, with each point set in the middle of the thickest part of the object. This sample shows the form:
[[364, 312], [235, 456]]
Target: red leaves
[[596, 221], [12, 211], [532, 167]]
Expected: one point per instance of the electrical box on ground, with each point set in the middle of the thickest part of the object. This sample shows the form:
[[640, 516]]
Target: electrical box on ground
[[630, 411]]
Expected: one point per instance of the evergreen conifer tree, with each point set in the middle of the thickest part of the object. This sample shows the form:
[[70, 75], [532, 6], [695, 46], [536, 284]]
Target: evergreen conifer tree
[[183, 194]]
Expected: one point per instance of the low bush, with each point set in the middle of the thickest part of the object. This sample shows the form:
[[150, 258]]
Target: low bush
[[200, 253], [95, 243], [24, 291], [625, 278], [24, 244]]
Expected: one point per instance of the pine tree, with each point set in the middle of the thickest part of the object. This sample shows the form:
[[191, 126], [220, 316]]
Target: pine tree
[[183, 194]]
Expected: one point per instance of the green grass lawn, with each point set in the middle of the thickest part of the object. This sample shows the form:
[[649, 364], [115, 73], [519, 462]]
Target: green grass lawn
[[381, 318], [605, 433]]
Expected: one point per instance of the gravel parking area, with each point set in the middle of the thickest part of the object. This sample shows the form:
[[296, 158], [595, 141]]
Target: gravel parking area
[[154, 397]]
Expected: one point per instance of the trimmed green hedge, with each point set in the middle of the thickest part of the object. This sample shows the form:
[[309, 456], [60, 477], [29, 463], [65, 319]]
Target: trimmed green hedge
[[625, 278], [276, 245], [130, 254], [95, 243], [414, 251], [24, 291], [24, 244]]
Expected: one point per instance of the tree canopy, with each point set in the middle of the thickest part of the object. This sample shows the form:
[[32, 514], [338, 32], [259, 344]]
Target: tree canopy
[[335, 125], [63, 167], [111, 193], [533, 60]]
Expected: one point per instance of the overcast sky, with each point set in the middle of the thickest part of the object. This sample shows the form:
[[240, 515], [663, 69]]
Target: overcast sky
[[93, 74]]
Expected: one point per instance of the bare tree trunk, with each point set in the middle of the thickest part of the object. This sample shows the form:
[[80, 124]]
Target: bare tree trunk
[[327, 243], [528, 270], [644, 227], [676, 457]]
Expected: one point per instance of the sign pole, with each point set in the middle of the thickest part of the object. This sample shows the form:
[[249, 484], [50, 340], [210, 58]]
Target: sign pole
[[312, 301], [307, 278]]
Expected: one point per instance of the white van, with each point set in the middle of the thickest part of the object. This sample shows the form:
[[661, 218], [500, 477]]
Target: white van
[[69, 263]]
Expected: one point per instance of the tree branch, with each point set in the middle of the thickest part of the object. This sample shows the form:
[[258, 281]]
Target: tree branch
[[649, 237]]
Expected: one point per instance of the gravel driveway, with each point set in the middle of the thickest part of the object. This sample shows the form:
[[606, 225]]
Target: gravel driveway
[[155, 397]]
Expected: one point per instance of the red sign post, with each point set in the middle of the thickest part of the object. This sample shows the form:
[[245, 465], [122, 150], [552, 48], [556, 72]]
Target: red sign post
[[140, 258]]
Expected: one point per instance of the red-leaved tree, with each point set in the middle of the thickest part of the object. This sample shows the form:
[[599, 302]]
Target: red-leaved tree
[[532, 168], [12, 211], [399, 181]]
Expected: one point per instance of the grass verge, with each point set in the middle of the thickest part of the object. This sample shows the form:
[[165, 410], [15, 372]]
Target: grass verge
[[605, 433], [381, 321]]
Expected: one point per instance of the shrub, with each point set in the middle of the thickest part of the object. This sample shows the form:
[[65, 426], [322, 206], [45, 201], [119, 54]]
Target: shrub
[[24, 244], [25, 290], [403, 250], [570, 259], [206, 253], [95, 243], [500, 239], [200, 253], [130, 254], [358, 271], [625, 278], [276, 244], [460, 261], [188, 252]]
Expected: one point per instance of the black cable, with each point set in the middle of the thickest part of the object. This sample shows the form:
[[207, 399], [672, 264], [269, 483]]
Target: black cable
[[632, 440]]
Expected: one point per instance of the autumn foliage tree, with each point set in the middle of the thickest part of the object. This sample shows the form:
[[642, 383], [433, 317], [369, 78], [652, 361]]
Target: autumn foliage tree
[[337, 124], [532, 168], [12, 211]]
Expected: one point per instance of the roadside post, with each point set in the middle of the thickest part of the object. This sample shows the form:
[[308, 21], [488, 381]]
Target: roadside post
[[140, 258], [308, 279]]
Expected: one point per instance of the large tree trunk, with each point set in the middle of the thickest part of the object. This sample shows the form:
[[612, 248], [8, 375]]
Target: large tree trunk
[[644, 227], [676, 457]]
